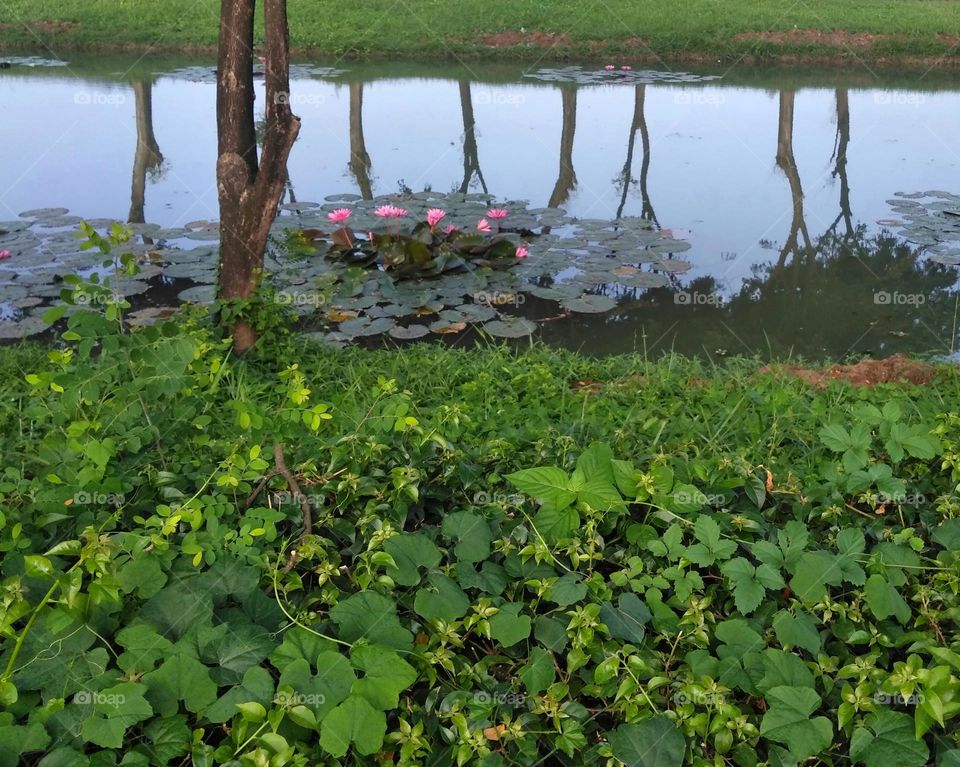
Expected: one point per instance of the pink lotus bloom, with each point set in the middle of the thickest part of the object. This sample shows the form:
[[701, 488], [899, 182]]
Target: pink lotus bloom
[[625, 68], [609, 67], [497, 213], [339, 215], [483, 226], [434, 216], [390, 211], [451, 229], [522, 252], [4, 254], [371, 236]]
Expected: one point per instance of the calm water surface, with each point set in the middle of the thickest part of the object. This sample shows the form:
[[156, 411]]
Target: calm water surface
[[784, 185]]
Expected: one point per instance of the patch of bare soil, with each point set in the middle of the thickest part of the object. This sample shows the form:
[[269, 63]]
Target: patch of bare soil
[[898, 369], [836, 38], [511, 38]]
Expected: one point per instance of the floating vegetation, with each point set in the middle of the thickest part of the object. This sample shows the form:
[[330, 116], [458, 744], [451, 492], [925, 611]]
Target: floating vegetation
[[458, 278], [30, 61], [200, 74], [930, 219], [615, 75]]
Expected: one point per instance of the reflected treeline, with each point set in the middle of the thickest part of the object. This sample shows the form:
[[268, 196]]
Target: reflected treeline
[[147, 156], [638, 125], [360, 163], [855, 295]]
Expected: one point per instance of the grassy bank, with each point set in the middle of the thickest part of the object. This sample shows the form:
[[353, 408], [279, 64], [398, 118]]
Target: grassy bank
[[918, 31], [501, 559]]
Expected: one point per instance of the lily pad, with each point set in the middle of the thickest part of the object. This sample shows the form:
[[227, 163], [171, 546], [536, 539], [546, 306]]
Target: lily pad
[[510, 327], [446, 327], [410, 332], [590, 304]]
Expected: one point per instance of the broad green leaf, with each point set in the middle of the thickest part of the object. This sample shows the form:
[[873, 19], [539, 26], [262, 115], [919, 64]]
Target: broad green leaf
[[143, 648], [411, 551], [596, 463], [180, 678], [568, 590], [509, 627], [472, 533], [62, 756], [143, 575], [256, 687], [749, 583], [654, 742], [887, 740], [551, 633], [738, 637], [16, 740], [321, 691], [539, 672], [884, 600], [784, 669], [169, 738], [354, 722], [299, 644], [712, 546], [797, 629], [556, 524], [372, 616], [441, 600], [601, 495], [385, 675], [789, 720], [628, 619], [116, 709], [547, 484], [815, 570]]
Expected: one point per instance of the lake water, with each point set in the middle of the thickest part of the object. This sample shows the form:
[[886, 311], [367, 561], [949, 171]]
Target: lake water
[[815, 210]]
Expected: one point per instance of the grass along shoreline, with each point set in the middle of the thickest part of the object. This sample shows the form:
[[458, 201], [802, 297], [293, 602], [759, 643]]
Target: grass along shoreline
[[920, 33]]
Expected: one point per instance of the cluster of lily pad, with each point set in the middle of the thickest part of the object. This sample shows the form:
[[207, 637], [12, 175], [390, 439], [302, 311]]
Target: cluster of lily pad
[[583, 265], [615, 74], [930, 219]]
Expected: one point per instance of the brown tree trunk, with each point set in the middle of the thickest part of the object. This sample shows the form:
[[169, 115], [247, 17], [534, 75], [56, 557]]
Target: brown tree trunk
[[360, 162], [250, 190], [787, 162], [148, 156], [567, 178], [471, 155]]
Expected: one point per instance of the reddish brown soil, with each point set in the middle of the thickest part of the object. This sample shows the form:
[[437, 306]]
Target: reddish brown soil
[[836, 38], [898, 369], [511, 38]]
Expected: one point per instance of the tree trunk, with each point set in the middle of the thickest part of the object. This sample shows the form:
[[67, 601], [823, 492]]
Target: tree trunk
[[360, 162], [567, 178], [148, 156], [250, 189]]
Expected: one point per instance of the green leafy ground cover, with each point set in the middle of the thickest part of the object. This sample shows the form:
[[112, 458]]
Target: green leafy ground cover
[[674, 564], [854, 30]]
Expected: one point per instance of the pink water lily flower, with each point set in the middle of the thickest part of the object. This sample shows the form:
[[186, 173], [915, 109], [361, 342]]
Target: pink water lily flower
[[451, 229], [435, 216], [609, 67], [625, 68], [483, 226], [4, 254], [498, 213], [390, 211], [339, 215], [522, 252]]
